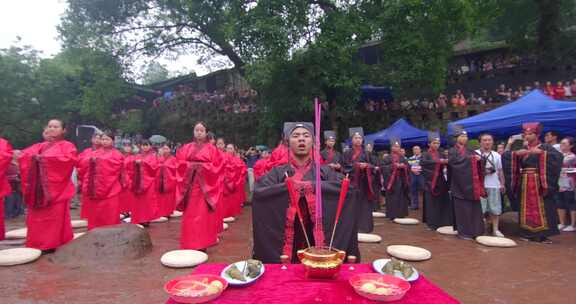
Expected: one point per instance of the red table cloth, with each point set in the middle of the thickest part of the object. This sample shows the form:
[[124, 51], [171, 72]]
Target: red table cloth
[[289, 286]]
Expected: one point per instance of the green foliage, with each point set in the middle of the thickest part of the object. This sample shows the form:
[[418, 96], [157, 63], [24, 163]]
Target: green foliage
[[541, 26], [155, 72], [80, 86], [292, 51]]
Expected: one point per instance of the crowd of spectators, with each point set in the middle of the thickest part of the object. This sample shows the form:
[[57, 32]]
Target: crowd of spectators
[[561, 90], [228, 101], [487, 63]]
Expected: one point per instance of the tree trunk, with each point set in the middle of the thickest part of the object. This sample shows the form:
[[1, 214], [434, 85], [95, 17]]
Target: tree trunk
[[548, 29]]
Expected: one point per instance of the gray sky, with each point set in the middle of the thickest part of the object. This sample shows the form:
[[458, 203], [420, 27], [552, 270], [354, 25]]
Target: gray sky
[[35, 22]]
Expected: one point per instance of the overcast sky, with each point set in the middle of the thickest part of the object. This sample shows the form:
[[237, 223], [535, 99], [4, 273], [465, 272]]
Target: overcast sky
[[35, 21]]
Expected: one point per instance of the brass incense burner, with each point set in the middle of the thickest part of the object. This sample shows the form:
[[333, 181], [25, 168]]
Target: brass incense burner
[[321, 262]]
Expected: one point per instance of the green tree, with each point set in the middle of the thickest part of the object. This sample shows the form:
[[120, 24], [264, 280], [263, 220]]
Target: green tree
[[290, 50], [155, 72], [80, 86]]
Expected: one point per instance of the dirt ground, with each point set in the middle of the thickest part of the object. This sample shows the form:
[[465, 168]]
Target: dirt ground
[[529, 273]]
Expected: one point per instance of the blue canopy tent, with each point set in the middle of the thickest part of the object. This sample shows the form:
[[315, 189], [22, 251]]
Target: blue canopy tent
[[402, 129], [504, 121]]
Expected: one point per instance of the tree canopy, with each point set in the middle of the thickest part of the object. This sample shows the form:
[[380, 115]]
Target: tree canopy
[[78, 85]]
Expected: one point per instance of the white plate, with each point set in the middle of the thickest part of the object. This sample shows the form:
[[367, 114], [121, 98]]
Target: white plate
[[240, 266], [379, 264]]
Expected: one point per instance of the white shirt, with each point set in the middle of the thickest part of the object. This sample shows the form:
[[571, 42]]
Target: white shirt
[[493, 160]]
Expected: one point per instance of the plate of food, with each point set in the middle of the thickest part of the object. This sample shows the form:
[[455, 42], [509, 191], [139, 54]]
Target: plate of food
[[243, 273], [195, 288], [379, 287], [396, 268]]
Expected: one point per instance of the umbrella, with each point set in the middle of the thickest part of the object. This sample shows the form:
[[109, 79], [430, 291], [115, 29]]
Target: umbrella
[[157, 139]]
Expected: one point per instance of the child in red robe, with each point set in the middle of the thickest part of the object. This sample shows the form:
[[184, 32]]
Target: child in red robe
[[142, 169], [102, 183], [166, 181], [200, 191]]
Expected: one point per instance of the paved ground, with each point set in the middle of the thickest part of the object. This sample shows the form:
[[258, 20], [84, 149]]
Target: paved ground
[[530, 273]]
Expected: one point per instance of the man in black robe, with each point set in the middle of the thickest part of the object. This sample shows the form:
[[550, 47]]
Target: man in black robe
[[438, 209], [532, 173], [330, 156], [356, 163], [466, 186], [376, 172], [276, 226], [396, 181]]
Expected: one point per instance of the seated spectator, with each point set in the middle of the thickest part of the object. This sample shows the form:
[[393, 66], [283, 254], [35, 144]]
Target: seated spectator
[[455, 102], [567, 90], [442, 101], [559, 92], [549, 89]]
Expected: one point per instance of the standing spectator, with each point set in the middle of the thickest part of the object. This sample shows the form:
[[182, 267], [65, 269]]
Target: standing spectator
[[417, 181], [13, 205], [551, 138], [566, 201], [493, 182]]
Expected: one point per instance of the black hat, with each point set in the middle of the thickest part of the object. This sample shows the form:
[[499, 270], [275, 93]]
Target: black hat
[[355, 131], [329, 134], [289, 127], [394, 139], [459, 130], [433, 135]]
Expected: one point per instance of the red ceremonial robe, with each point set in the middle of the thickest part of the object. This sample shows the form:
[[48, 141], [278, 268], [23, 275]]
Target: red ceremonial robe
[[259, 168], [84, 200], [238, 196], [278, 157], [101, 186], [143, 199], [229, 182], [5, 160], [198, 194], [166, 185], [126, 193], [46, 170]]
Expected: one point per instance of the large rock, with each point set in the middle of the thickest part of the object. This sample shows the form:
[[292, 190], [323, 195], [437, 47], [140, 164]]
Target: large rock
[[103, 246]]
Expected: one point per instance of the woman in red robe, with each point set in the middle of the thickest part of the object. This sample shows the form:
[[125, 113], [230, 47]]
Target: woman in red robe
[[126, 194], [278, 157], [229, 177], [260, 165], [5, 160], [87, 153], [235, 182], [166, 181], [200, 191], [46, 170], [142, 169], [102, 183]]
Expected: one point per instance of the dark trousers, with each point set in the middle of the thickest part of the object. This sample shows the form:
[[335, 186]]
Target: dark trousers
[[416, 185], [13, 205]]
